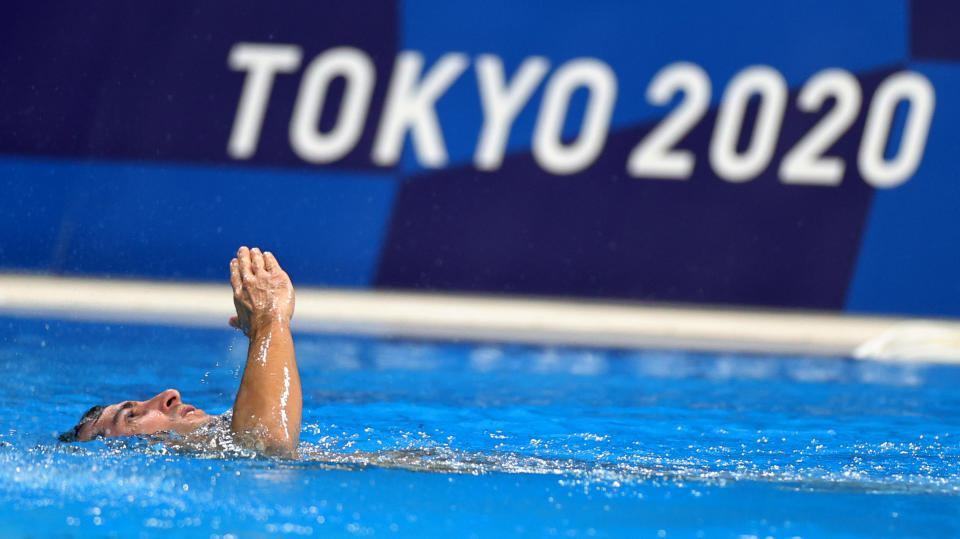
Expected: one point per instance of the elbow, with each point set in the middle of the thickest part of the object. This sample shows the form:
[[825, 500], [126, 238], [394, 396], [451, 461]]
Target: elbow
[[280, 450], [267, 441], [270, 446]]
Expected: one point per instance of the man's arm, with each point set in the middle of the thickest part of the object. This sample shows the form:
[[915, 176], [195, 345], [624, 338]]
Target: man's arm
[[266, 414]]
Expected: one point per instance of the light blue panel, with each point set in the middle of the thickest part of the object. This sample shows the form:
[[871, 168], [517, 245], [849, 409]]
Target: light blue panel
[[185, 222], [910, 256], [637, 39]]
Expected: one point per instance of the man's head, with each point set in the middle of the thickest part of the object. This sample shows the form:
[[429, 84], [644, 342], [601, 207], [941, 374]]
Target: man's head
[[165, 412]]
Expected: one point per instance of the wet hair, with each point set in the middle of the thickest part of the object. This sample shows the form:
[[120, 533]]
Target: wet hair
[[90, 416]]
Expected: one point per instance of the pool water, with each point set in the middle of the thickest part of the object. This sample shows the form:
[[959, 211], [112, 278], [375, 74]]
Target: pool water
[[432, 439]]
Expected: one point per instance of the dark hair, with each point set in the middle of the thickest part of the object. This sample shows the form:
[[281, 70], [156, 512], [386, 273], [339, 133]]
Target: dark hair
[[90, 416]]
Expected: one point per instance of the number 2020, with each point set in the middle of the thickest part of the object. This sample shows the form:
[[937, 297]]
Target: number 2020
[[805, 163]]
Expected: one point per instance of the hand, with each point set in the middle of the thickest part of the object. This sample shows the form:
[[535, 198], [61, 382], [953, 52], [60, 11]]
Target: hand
[[262, 291]]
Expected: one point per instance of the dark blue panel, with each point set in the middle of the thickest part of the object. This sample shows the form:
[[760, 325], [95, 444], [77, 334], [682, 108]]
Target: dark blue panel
[[933, 30], [151, 81], [910, 259], [603, 234], [185, 222]]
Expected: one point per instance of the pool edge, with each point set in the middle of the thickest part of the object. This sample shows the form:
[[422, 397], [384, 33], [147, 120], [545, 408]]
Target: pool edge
[[489, 318]]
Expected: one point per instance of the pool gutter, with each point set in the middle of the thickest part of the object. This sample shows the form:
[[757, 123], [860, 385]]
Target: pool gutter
[[503, 319]]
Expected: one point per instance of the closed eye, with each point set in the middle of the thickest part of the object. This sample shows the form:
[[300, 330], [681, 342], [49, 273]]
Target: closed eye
[[127, 406]]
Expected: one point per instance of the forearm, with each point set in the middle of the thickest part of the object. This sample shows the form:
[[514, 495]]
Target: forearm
[[269, 403]]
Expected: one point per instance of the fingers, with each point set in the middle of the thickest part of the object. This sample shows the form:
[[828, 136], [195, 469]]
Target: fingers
[[249, 262], [243, 258], [235, 281], [269, 261], [256, 260]]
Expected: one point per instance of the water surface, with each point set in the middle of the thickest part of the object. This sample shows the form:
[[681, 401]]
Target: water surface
[[406, 438]]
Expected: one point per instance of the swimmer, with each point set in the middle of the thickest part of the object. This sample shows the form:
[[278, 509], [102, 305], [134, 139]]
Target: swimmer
[[267, 410]]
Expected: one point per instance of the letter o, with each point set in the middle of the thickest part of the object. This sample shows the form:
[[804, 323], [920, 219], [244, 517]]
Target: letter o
[[306, 139], [548, 148]]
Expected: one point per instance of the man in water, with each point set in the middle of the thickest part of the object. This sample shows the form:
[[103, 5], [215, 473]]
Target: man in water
[[267, 410]]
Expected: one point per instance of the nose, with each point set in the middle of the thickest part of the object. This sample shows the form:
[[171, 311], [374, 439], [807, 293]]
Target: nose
[[165, 400]]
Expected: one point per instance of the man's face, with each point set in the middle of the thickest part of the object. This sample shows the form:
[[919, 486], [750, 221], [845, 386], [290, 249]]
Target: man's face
[[165, 412]]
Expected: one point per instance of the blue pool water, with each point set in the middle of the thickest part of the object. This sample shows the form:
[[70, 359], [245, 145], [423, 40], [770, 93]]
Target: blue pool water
[[425, 439]]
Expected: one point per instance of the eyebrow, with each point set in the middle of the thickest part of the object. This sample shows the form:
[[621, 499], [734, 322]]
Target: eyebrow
[[125, 406]]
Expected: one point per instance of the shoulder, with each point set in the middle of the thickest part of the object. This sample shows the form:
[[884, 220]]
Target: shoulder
[[212, 439], [217, 424]]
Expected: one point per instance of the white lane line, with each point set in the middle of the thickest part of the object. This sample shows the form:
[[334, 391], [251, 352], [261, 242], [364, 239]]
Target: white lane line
[[423, 315]]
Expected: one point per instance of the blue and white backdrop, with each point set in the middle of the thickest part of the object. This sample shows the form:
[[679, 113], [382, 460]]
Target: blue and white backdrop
[[756, 153]]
